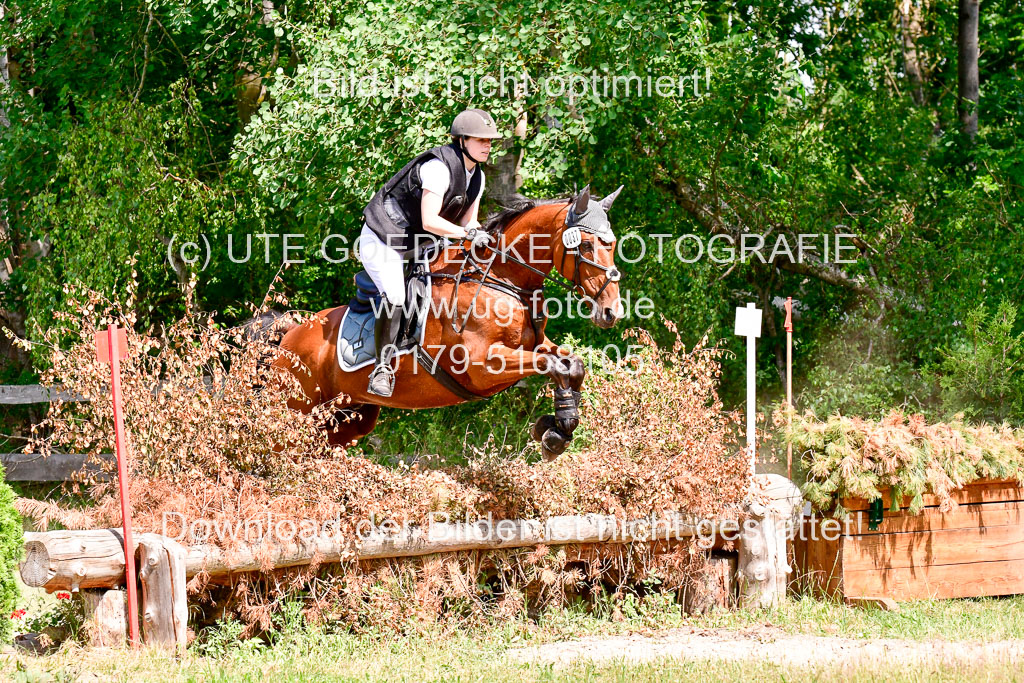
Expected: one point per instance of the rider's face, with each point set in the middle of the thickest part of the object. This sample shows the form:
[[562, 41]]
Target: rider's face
[[479, 148]]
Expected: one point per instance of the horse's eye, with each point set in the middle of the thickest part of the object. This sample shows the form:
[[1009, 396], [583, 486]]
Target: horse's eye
[[587, 248]]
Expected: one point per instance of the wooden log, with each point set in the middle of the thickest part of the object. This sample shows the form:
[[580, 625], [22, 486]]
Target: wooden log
[[105, 623], [162, 574], [70, 560], [73, 560], [713, 588], [179, 593]]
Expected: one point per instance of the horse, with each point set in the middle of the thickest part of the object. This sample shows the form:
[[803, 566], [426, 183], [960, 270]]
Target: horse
[[572, 236]]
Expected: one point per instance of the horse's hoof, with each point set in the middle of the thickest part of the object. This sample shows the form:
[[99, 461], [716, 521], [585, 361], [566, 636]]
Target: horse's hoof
[[543, 424], [567, 426], [553, 444]]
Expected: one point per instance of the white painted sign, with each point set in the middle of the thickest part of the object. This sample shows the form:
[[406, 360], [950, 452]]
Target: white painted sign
[[748, 321]]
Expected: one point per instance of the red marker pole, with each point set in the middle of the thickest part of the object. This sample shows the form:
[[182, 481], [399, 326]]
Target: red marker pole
[[789, 382], [116, 348]]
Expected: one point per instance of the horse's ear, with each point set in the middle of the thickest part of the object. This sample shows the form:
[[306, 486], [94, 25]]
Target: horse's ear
[[583, 200], [606, 203]]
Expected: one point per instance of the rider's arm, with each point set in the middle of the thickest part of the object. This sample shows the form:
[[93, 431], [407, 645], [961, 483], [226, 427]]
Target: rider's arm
[[430, 207]]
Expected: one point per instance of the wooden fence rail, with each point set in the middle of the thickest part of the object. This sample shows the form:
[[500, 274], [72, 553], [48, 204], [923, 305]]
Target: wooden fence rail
[[93, 561], [23, 394], [56, 467]]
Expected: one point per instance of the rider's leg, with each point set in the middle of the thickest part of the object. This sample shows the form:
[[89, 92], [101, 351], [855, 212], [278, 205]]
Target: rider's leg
[[385, 331], [384, 266]]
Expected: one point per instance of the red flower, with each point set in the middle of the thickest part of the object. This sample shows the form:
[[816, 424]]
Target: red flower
[[17, 614], [63, 596]]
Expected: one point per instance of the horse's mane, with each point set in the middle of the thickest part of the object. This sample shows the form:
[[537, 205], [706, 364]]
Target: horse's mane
[[519, 205]]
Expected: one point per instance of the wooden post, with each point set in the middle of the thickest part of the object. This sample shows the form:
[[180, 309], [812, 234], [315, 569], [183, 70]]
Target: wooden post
[[164, 605], [105, 622], [713, 588], [763, 566], [748, 324], [789, 384]]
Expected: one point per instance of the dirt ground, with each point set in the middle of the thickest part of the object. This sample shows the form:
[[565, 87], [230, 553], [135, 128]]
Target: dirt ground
[[764, 644]]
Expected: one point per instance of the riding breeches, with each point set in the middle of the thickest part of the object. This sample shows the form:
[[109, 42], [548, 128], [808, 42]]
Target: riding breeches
[[383, 264]]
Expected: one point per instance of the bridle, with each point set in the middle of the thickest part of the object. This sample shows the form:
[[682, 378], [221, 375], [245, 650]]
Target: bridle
[[571, 239]]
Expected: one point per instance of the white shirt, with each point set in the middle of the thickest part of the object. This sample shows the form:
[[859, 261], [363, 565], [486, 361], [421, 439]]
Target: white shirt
[[434, 177]]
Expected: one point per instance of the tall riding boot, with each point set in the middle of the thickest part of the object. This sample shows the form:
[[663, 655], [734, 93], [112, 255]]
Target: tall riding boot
[[385, 333]]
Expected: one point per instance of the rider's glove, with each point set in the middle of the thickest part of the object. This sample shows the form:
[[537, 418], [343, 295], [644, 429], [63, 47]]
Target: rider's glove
[[479, 238]]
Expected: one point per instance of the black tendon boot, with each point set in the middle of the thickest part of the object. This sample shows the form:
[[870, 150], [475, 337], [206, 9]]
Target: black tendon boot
[[385, 333]]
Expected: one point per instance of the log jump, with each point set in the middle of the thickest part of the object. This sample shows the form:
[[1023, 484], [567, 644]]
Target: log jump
[[70, 560], [91, 562]]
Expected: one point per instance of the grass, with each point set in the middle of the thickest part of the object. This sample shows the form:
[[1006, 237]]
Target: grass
[[980, 619], [341, 659], [301, 653]]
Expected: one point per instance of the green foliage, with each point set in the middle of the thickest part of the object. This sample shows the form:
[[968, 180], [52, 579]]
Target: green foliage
[[11, 546], [847, 457], [983, 376], [224, 638], [456, 432], [133, 125], [62, 619], [859, 368]]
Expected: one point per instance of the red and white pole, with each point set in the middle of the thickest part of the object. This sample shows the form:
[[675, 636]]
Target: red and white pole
[[117, 348]]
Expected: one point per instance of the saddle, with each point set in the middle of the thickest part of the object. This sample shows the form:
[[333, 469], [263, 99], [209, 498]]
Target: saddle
[[356, 347], [355, 335]]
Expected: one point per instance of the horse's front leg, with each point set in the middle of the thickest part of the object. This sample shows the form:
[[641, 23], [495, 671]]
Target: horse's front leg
[[576, 368], [506, 364], [554, 432]]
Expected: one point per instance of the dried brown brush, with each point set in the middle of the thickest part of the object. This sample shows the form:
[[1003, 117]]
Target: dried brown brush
[[212, 439], [482, 587], [657, 440]]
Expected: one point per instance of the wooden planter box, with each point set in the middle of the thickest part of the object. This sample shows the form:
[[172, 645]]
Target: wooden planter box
[[973, 550]]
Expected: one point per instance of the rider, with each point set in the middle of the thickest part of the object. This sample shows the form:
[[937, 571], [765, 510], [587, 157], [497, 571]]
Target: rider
[[438, 192]]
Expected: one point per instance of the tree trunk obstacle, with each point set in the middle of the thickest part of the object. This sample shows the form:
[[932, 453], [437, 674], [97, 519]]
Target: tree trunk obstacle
[[764, 568], [93, 560]]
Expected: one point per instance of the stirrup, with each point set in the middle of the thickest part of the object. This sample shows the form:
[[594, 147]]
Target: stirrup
[[382, 381]]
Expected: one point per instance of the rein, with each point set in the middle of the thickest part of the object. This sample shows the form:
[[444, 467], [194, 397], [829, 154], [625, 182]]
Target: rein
[[571, 239]]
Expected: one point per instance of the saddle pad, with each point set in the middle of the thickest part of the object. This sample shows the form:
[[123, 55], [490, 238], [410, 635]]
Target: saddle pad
[[355, 334]]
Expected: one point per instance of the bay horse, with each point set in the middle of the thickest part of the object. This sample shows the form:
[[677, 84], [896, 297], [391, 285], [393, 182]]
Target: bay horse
[[572, 236]]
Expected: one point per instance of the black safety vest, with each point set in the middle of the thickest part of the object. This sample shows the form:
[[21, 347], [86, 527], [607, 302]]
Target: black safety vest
[[405, 188]]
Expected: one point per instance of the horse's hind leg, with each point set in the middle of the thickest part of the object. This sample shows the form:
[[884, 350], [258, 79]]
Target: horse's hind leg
[[352, 424]]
